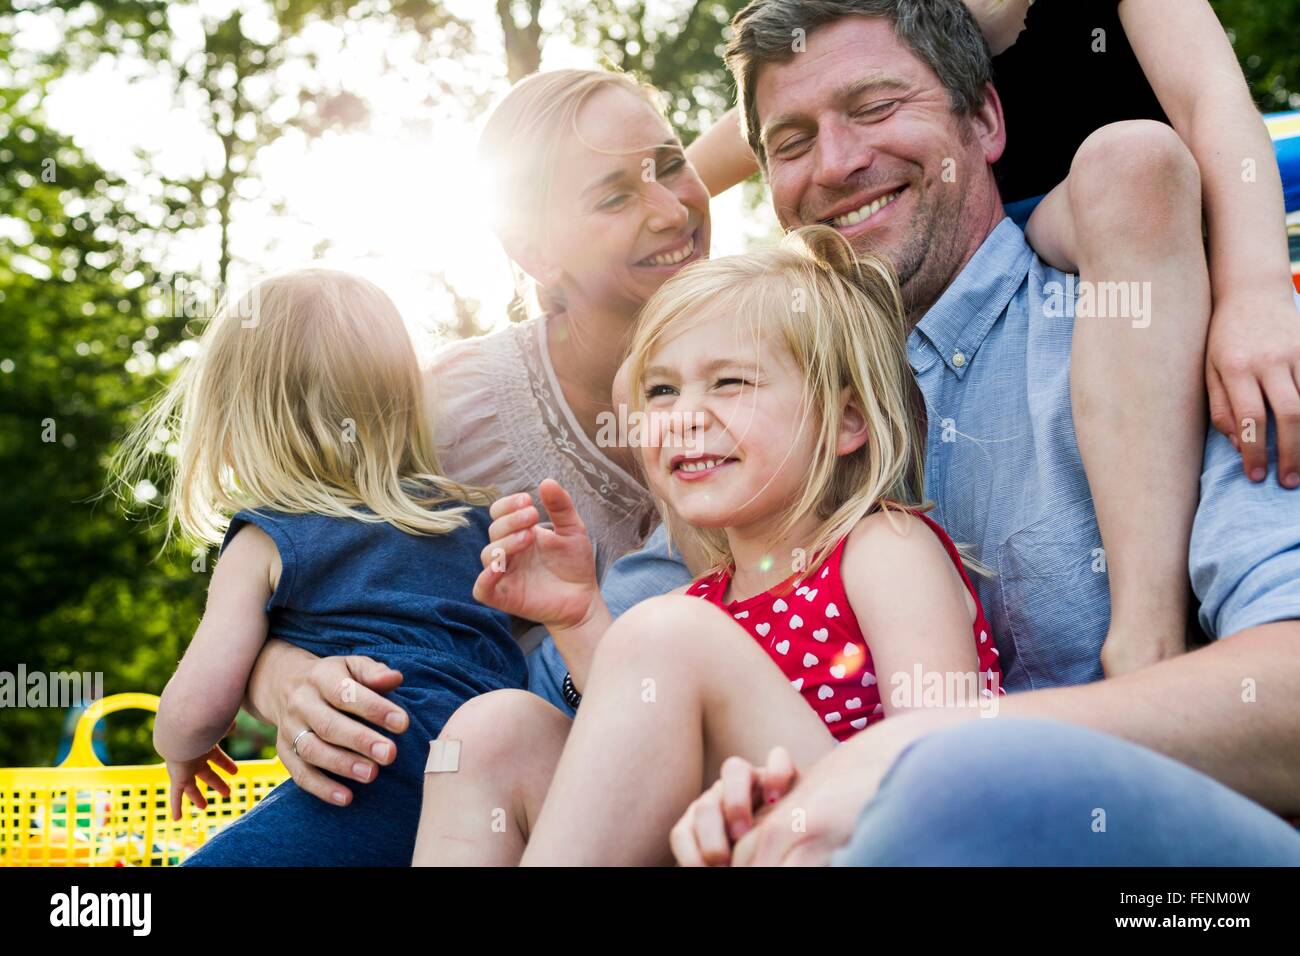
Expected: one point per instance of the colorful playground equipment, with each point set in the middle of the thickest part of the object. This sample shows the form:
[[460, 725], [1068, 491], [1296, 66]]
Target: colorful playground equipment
[[83, 813], [1285, 130]]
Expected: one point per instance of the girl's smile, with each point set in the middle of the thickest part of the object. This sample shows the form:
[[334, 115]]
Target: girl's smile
[[700, 467]]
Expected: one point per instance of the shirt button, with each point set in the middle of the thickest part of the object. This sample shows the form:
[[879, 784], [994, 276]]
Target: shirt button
[[958, 359]]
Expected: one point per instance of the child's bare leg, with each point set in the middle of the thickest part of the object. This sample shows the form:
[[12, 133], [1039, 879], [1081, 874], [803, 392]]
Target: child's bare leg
[[1130, 213], [675, 688], [481, 813]]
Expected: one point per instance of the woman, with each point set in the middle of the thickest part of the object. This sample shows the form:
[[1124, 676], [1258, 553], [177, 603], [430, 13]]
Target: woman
[[598, 206]]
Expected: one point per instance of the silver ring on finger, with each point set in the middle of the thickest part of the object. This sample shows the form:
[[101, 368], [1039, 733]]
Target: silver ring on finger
[[300, 735]]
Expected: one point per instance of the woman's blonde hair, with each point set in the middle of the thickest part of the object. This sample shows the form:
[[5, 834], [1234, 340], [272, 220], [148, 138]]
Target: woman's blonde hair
[[305, 397], [842, 320], [519, 146]]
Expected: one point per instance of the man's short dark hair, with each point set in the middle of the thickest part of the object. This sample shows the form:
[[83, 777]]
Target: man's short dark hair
[[942, 33]]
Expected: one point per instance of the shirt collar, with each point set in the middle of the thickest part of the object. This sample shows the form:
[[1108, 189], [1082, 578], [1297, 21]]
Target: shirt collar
[[955, 326]]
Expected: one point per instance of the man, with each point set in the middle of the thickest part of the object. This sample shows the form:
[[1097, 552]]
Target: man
[[992, 360]]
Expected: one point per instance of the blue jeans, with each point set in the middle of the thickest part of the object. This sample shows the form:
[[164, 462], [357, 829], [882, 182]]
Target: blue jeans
[[1021, 792]]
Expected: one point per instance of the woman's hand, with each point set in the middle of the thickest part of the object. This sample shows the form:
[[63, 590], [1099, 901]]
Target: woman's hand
[[322, 695], [541, 574], [724, 813]]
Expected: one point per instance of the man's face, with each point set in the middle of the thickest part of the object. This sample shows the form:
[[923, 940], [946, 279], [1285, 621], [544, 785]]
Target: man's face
[[861, 134]]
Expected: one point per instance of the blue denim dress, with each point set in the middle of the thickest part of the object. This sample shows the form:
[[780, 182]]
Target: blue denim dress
[[355, 587]]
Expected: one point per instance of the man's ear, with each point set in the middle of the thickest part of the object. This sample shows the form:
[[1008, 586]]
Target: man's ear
[[524, 251], [853, 425], [989, 126]]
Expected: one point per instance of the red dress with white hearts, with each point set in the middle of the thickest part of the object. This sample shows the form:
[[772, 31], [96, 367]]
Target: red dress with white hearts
[[808, 628]]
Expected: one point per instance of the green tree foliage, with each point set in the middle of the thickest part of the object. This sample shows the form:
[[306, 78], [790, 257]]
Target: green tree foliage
[[81, 590], [1266, 35]]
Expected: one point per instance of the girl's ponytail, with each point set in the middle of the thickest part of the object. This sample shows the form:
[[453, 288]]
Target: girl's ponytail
[[828, 250]]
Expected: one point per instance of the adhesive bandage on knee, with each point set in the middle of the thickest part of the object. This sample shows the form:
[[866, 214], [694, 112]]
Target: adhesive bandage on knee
[[444, 756]]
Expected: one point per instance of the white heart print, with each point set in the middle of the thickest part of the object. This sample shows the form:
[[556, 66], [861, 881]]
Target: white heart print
[[838, 671], [851, 650], [821, 634], [832, 610], [762, 629], [853, 703], [825, 571], [796, 622], [802, 590], [984, 636], [742, 615], [810, 595], [859, 723], [868, 679], [779, 605], [797, 683], [810, 661], [782, 647], [823, 692], [832, 717]]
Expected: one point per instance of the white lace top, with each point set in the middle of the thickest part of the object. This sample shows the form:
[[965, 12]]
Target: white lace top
[[502, 420]]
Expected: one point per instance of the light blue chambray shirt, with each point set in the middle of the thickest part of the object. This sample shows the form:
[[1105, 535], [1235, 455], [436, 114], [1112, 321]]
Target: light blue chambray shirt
[[992, 358]]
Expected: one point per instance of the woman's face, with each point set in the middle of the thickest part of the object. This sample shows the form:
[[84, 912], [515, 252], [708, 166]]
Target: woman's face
[[626, 209]]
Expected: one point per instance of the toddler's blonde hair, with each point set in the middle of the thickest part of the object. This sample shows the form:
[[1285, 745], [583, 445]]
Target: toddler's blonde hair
[[305, 397], [842, 320]]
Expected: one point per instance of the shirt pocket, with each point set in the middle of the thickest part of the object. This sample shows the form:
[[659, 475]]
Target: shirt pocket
[[1056, 597]]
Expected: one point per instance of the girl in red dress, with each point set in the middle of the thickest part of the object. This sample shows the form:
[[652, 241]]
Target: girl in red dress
[[781, 435]]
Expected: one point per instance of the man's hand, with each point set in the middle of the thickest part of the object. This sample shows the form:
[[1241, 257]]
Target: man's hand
[[818, 816], [319, 697], [1253, 356], [724, 813]]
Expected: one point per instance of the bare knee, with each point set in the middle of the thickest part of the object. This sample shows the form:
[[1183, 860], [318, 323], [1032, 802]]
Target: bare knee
[[1137, 173], [667, 626], [494, 729]]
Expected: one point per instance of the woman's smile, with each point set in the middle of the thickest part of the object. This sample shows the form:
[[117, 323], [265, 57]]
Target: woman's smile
[[674, 256]]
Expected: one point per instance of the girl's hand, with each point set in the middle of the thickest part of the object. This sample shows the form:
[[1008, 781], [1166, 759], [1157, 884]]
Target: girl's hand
[[547, 575], [182, 774], [1253, 356], [726, 811]]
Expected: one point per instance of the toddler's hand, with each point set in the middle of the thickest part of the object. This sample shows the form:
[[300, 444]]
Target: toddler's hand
[[1251, 356], [183, 773], [541, 574], [724, 813]]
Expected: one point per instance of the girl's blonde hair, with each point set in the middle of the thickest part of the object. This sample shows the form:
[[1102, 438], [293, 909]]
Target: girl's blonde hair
[[305, 397], [842, 320], [519, 146]]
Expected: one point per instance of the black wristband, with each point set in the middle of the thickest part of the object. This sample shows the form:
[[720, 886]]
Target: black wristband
[[571, 695]]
